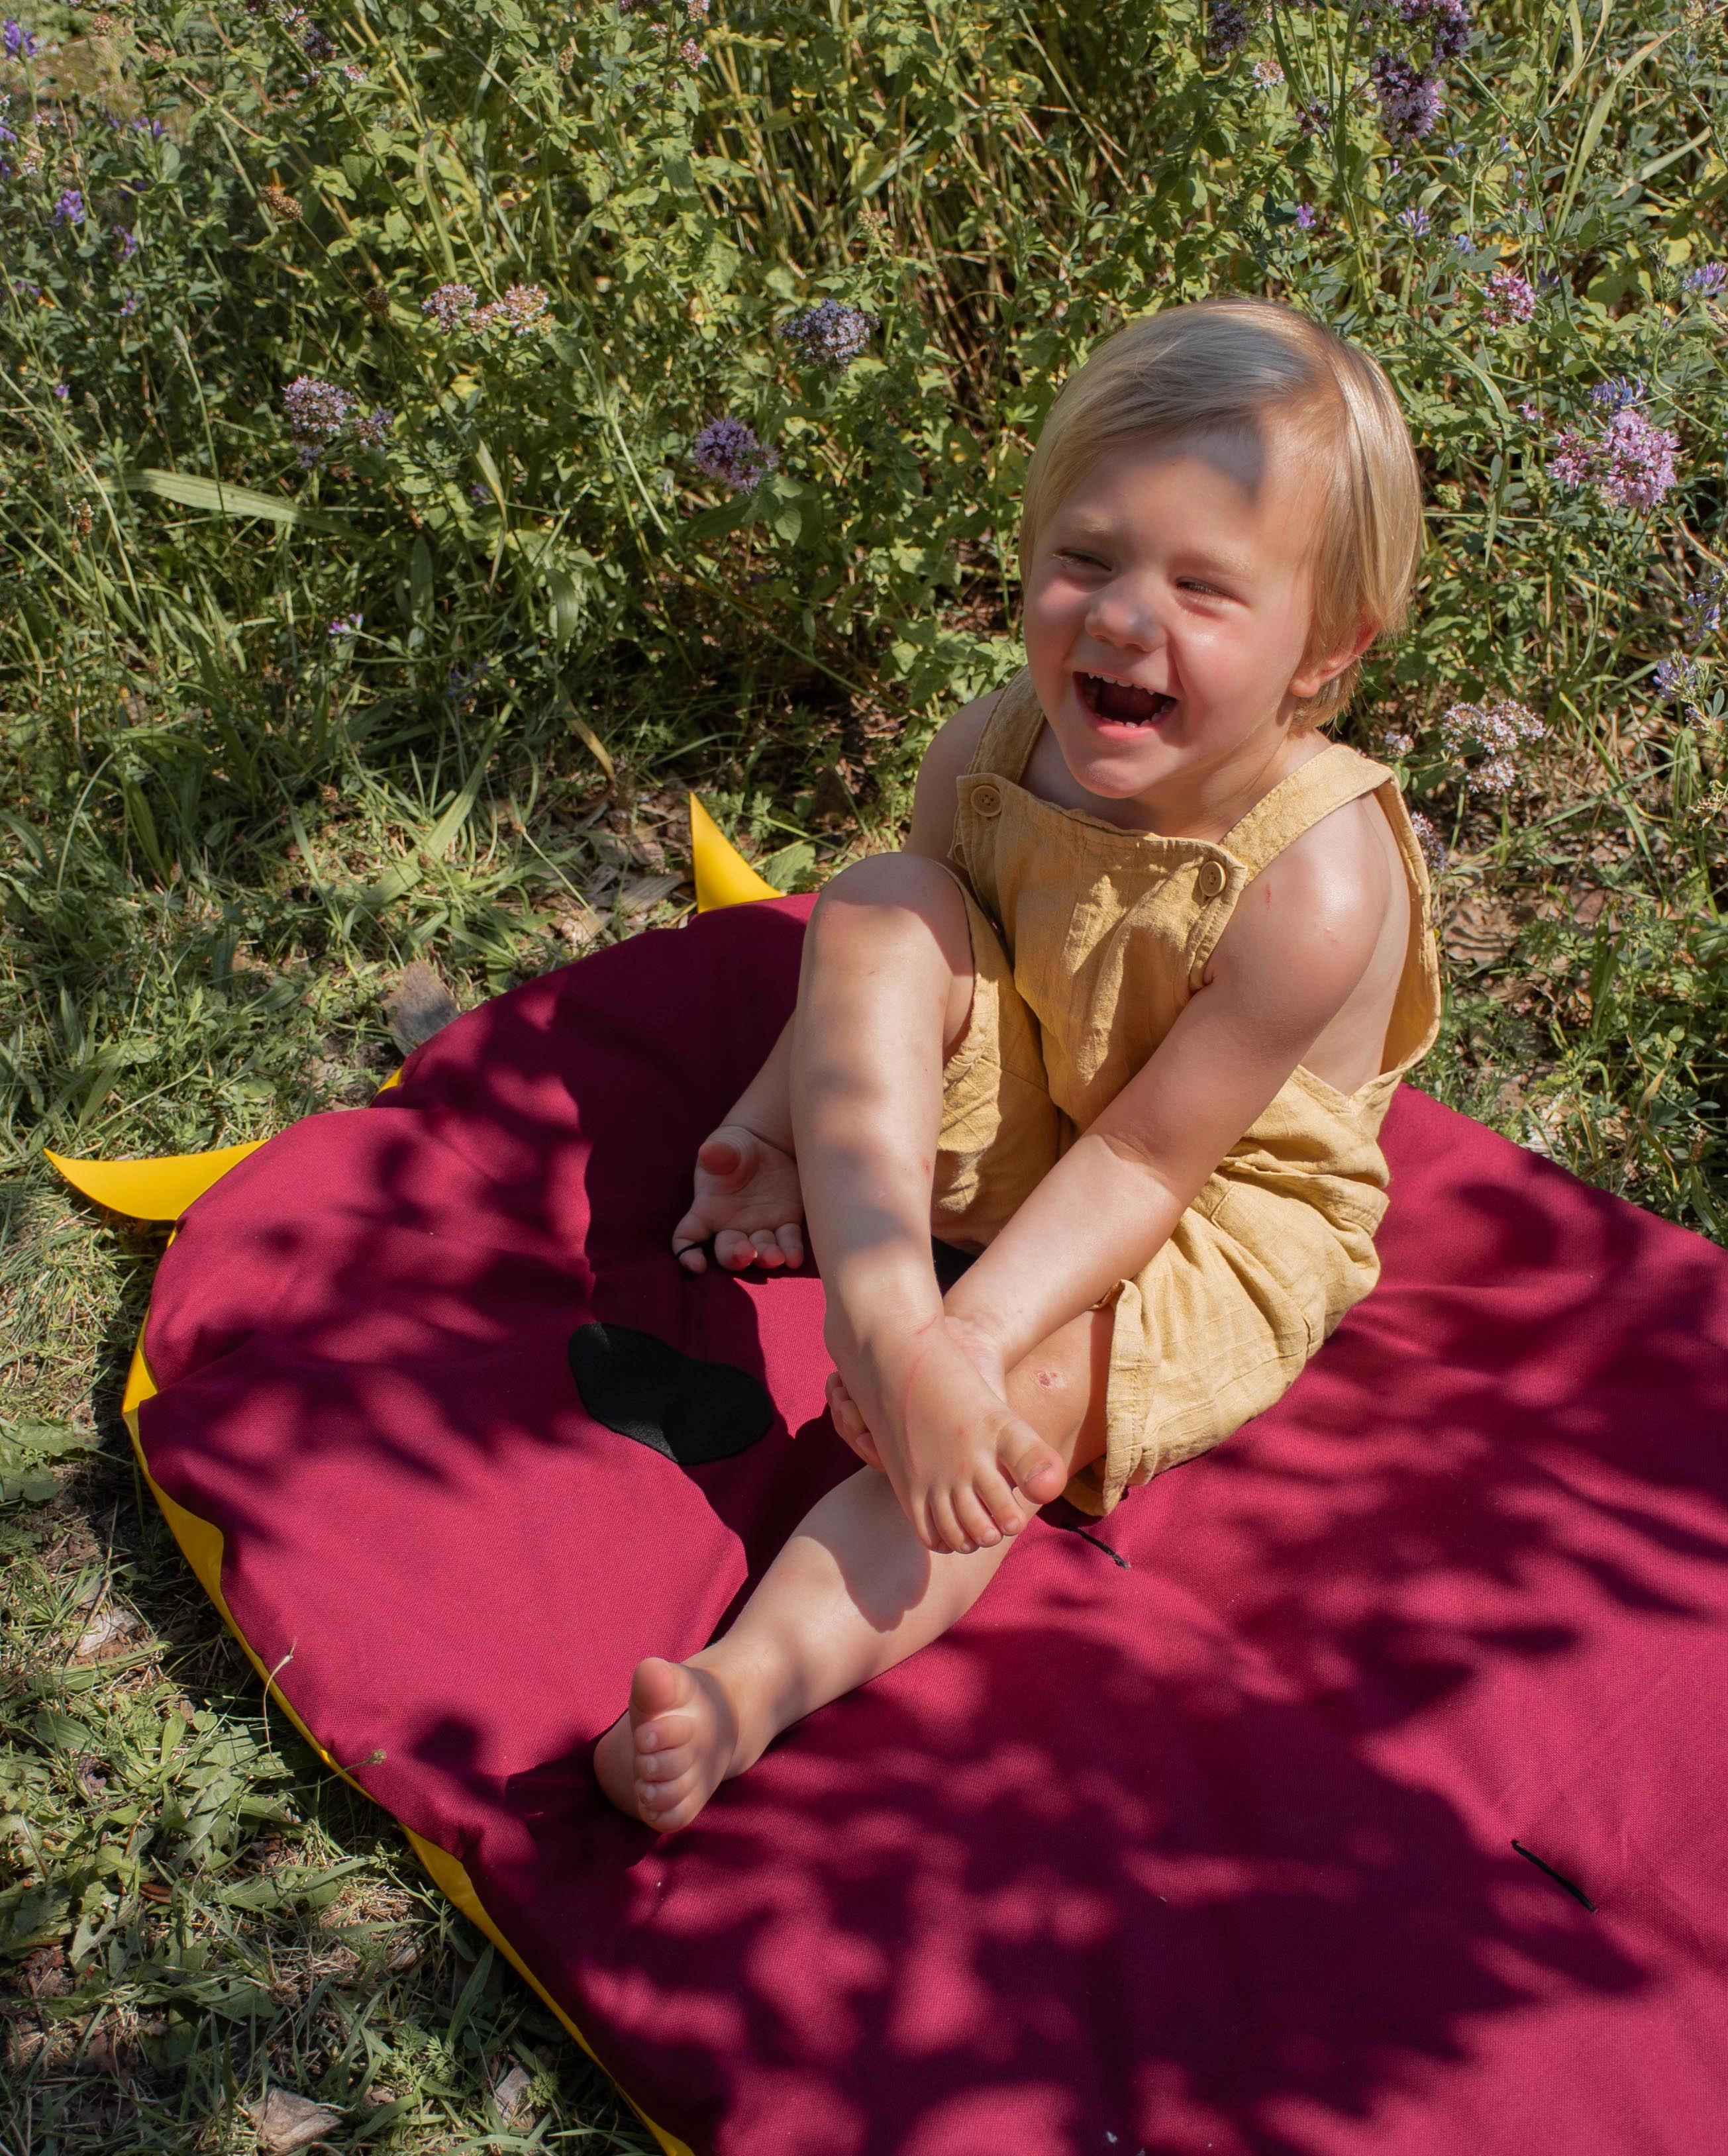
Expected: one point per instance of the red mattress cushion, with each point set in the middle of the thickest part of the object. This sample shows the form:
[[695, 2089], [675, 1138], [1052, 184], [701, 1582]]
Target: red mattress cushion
[[1208, 1851]]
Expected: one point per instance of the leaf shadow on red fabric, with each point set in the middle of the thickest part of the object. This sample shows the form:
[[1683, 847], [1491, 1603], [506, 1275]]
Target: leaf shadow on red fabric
[[1212, 1850]]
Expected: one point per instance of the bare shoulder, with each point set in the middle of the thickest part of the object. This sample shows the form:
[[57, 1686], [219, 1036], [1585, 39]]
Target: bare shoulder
[[954, 745], [1308, 927]]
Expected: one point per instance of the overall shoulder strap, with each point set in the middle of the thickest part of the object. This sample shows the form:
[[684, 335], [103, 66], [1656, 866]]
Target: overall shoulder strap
[[1296, 804], [1010, 731]]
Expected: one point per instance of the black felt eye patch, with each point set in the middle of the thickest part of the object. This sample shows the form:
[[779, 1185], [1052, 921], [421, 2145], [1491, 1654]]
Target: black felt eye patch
[[691, 1411]]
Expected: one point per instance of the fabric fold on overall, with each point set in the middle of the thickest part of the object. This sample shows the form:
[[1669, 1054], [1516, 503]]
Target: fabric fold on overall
[[1088, 942]]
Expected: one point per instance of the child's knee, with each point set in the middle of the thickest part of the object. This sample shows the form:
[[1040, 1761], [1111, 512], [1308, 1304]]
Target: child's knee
[[895, 896]]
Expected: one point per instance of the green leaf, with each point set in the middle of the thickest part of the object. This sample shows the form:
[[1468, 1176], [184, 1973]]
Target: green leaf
[[196, 490]]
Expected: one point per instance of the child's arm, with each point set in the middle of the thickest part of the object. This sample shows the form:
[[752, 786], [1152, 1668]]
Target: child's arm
[[1300, 942]]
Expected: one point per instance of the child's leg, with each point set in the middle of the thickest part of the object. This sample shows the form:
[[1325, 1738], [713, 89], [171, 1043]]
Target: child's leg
[[852, 1594], [886, 991]]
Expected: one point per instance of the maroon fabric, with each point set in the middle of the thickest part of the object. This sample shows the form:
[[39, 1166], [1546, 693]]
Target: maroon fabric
[[1211, 1852]]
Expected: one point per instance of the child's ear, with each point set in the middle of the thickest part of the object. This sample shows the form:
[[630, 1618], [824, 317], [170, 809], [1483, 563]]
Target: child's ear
[[1314, 674]]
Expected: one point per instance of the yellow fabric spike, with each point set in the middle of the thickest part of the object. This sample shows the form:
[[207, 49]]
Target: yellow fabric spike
[[724, 877], [152, 1190]]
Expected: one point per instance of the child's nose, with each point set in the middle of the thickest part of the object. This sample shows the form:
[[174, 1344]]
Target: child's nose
[[1127, 619]]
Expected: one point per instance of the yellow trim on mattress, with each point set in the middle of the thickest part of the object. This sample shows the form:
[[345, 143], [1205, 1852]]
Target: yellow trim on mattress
[[159, 1190], [201, 1546], [720, 873]]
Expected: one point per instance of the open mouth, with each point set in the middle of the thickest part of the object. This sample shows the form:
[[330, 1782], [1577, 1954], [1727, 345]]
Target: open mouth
[[1121, 702]]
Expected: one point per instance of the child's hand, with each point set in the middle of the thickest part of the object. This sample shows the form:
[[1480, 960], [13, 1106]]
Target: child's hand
[[747, 1199]]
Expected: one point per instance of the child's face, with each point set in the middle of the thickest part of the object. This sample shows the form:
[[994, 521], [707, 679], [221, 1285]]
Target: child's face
[[1168, 612]]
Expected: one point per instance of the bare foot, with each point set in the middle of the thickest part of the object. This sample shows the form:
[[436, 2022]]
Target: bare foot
[[967, 1470], [664, 1757]]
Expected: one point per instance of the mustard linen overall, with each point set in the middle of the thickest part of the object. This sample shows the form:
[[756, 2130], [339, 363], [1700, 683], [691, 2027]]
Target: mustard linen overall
[[1088, 940]]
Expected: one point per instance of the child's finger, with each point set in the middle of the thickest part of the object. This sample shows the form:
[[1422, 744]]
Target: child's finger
[[766, 1244], [692, 1257], [733, 1250], [791, 1242]]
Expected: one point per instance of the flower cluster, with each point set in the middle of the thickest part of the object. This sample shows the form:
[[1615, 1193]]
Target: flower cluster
[[1416, 220], [1315, 117], [449, 304], [1630, 463], [318, 412], [1497, 731], [1508, 298], [69, 209], [519, 313], [1703, 608], [1447, 22], [346, 625], [1617, 392], [1410, 102], [1228, 30], [20, 43], [829, 332], [1433, 846], [1708, 280], [1679, 680], [522, 310], [728, 450]]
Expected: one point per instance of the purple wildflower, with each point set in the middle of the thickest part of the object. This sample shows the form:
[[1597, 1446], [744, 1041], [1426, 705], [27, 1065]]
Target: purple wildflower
[[62, 390], [1410, 103], [1708, 280], [1573, 463], [345, 625], [1315, 118], [728, 450], [481, 493], [1508, 298], [1416, 220], [1306, 216], [831, 332], [1447, 21], [1228, 30], [373, 427], [1617, 392], [1496, 731], [1530, 413], [449, 303], [692, 54], [20, 43], [317, 45], [1677, 678], [128, 306], [522, 310], [1396, 745], [23, 288], [317, 412], [69, 208], [1703, 609], [153, 128], [1637, 462], [1433, 846], [129, 242]]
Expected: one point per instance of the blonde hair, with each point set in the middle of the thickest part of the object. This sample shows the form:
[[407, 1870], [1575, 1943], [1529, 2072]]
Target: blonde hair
[[1219, 366]]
